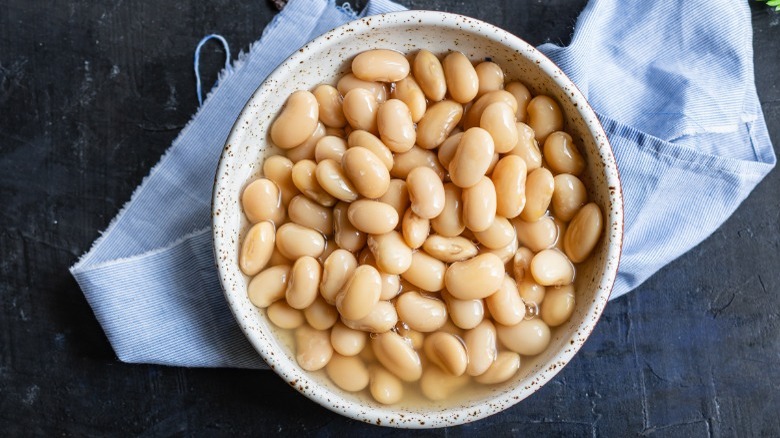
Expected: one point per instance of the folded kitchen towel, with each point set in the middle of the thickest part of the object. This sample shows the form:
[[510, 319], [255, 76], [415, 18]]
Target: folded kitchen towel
[[673, 88]]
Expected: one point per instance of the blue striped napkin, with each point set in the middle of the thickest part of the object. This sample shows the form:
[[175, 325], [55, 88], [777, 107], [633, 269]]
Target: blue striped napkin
[[673, 88]]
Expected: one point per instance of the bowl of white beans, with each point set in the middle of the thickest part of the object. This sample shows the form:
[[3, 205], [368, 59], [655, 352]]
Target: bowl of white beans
[[417, 220]]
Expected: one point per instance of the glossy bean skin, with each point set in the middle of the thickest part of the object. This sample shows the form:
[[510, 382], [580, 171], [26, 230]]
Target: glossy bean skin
[[262, 201], [313, 349], [448, 148], [562, 155], [346, 341], [509, 179], [257, 247], [568, 196], [305, 212], [481, 347], [522, 96], [305, 150], [268, 286], [321, 315], [395, 125], [550, 267], [527, 147], [384, 386], [349, 82], [368, 174], [305, 179], [397, 196], [372, 143], [426, 192], [392, 254], [437, 384], [446, 352], [360, 294], [329, 101], [425, 272], [490, 77], [297, 120], [506, 307], [505, 253], [450, 222], [437, 123], [331, 147], [538, 235], [583, 233], [397, 356], [474, 115], [303, 285], [408, 91], [464, 314], [336, 271], [544, 117], [413, 337], [415, 229], [558, 305], [344, 233], [539, 187], [429, 73], [528, 337], [372, 217], [380, 319], [476, 278], [414, 158], [360, 109], [278, 169], [347, 372], [472, 158], [499, 120], [506, 365], [295, 241], [283, 316], [391, 286], [380, 65], [450, 249], [421, 313], [461, 77], [498, 235], [479, 205], [334, 181]]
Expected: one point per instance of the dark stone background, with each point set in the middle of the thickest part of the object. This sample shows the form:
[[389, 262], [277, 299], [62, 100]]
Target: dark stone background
[[92, 93]]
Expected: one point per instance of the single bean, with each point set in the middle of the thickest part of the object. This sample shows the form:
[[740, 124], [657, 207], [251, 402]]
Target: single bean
[[305, 179], [372, 143], [539, 187], [499, 120], [481, 347], [408, 91], [392, 254], [268, 286], [278, 169], [413, 337], [320, 314], [414, 158], [336, 271], [283, 316], [333, 180], [544, 117], [347, 372], [506, 365], [426, 192], [360, 109], [395, 125], [360, 294], [304, 283], [538, 235], [448, 148], [476, 278], [523, 96], [421, 313], [438, 385], [550, 267], [257, 248], [397, 356], [521, 262], [450, 222], [329, 101], [391, 285], [385, 387], [529, 337], [349, 82], [562, 155], [305, 212], [505, 305], [449, 249], [479, 205], [465, 314], [295, 241], [262, 201], [344, 233], [330, 147], [509, 179], [527, 147], [313, 349], [297, 120], [366, 171], [382, 318], [305, 151], [372, 217], [461, 78], [447, 352], [498, 235], [425, 272], [380, 65], [472, 158], [558, 305], [474, 114], [347, 342], [437, 123], [415, 229], [583, 233], [430, 74], [491, 77], [568, 196]]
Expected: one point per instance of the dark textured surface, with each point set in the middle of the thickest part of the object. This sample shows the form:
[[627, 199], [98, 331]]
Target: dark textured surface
[[92, 93]]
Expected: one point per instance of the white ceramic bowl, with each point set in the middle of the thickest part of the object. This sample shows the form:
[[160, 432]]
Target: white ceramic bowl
[[323, 60]]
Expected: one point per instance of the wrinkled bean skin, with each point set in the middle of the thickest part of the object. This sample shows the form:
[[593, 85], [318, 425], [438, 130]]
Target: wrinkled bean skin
[[449, 249]]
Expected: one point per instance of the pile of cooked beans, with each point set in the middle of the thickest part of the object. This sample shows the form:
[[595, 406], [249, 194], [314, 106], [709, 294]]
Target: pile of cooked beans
[[411, 233]]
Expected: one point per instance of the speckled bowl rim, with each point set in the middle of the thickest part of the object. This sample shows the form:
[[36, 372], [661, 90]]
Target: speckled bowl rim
[[307, 385]]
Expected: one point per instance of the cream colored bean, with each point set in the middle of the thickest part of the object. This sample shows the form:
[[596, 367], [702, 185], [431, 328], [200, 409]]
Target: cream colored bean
[[380, 65], [360, 109], [426, 192], [544, 117], [506, 307], [491, 77], [347, 342], [438, 385], [415, 229], [297, 121], [461, 78], [304, 283], [349, 82], [313, 349], [474, 114], [504, 253], [475, 278], [421, 313], [395, 125], [479, 205], [334, 181], [481, 347], [330, 246], [521, 262], [530, 291], [425, 272], [450, 222], [278, 259], [528, 337], [562, 155], [330, 147], [523, 96], [336, 271], [465, 314], [562, 227], [437, 123], [448, 148], [539, 187], [320, 314], [262, 201], [397, 196], [329, 101], [472, 158], [527, 147], [397, 356], [344, 233], [538, 235], [372, 217], [499, 120], [391, 285], [550, 267], [430, 74], [305, 179], [558, 305], [382, 318], [385, 387], [568, 196], [283, 316], [392, 254], [408, 91], [347, 372], [447, 352], [268, 286], [295, 241], [360, 294], [372, 143], [450, 249], [414, 158], [414, 337], [366, 171], [506, 365], [257, 248], [583, 233], [305, 151], [509, 179], [278, 169], [305, 212], [498, 235]]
